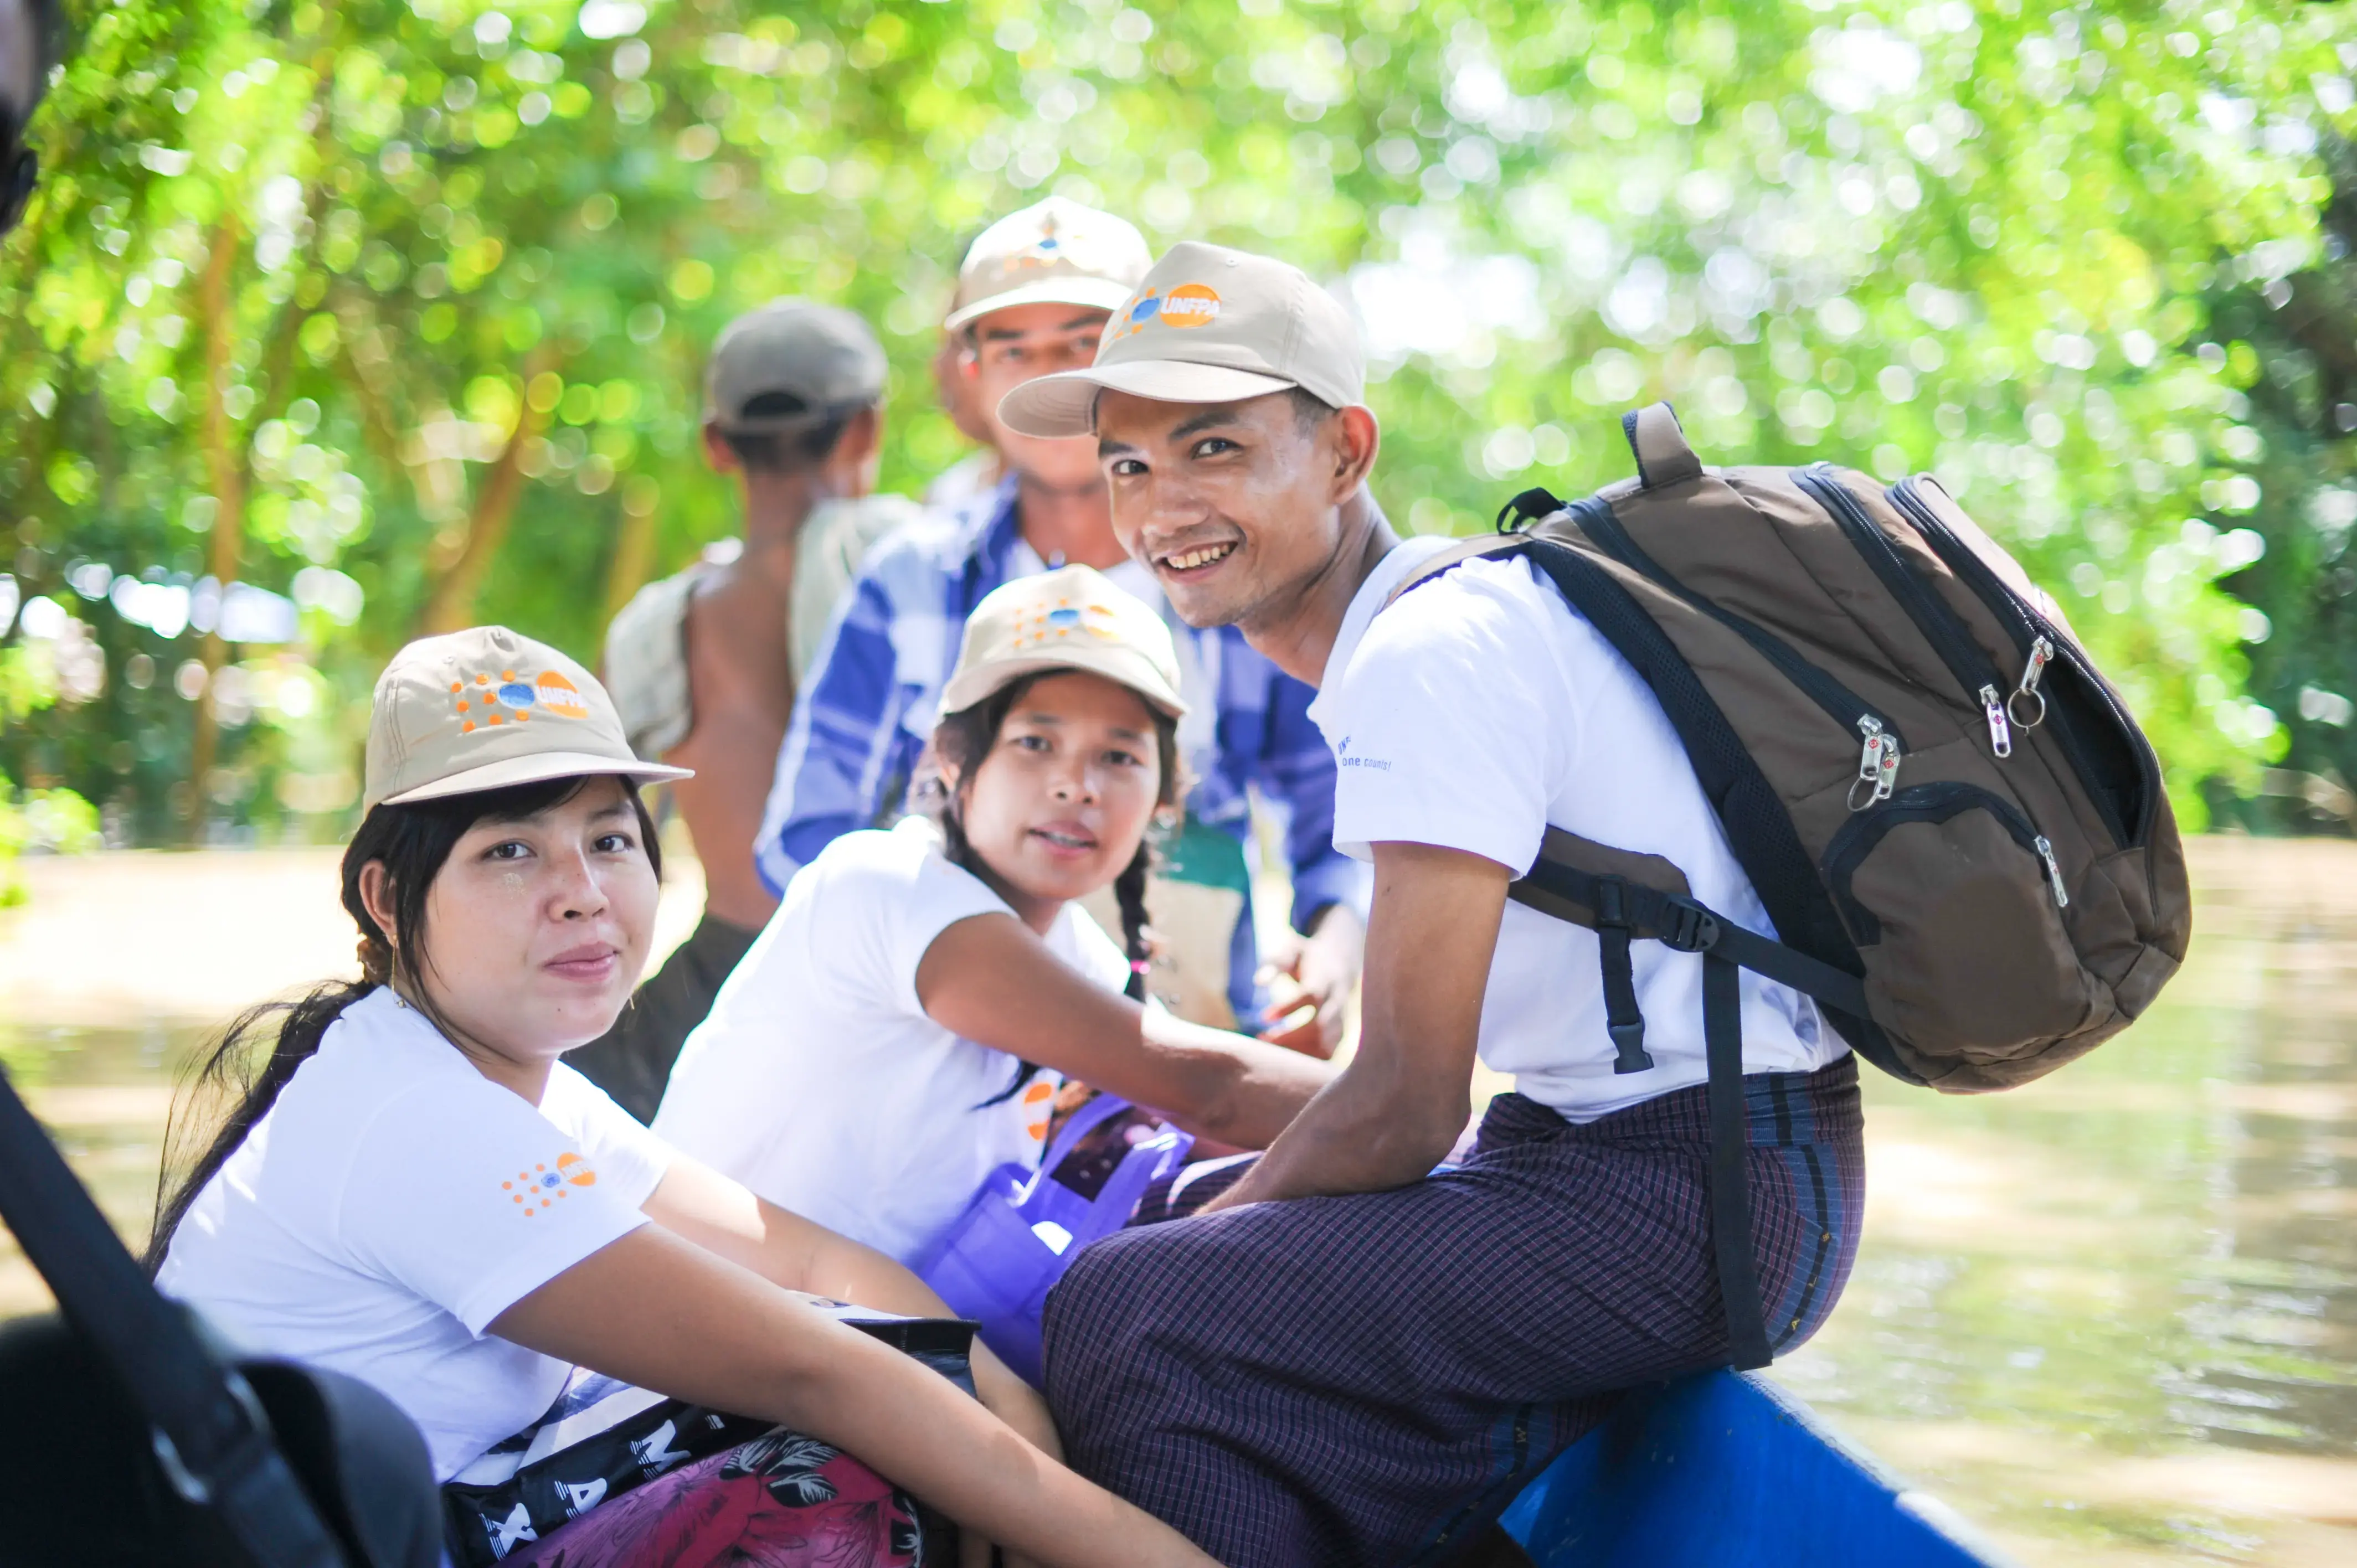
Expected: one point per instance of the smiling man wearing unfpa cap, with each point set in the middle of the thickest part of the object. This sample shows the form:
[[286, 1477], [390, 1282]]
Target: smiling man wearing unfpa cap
[[1393, 1329]]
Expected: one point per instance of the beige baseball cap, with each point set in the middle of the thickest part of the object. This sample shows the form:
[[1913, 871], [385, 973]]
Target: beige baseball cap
[[1054, 253], [791, 364], [484, 709], [1070, 618], [1209, 325]]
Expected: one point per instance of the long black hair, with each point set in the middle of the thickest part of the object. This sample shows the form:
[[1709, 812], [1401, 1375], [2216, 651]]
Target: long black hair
[[413, 842], [963, 738]]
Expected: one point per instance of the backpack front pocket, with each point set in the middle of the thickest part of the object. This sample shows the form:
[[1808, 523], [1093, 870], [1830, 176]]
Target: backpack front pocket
[[1990, 948]]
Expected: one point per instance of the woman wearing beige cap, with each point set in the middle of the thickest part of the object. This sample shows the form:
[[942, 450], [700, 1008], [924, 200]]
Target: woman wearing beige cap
[[897, 1032], [412, 1189]]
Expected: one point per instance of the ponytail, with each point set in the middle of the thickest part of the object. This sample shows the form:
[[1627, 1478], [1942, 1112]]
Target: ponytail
[[229, 1071], [412, 842], [1129, 892]]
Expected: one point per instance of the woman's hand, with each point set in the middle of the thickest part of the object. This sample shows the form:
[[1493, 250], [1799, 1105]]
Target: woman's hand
[[990, 979]]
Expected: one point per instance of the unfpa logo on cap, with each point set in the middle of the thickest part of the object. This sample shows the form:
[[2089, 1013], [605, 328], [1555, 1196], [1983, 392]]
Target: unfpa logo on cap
[[1190, 305], [1061, 619], [495, 701]]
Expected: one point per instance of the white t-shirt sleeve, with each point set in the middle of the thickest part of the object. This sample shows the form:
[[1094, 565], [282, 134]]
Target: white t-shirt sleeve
[[473, 1199], [1447, 734], [884, 897], [630, 1160]]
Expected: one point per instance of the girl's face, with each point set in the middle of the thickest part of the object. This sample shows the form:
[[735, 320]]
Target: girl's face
[[537, 928], [1060, 803]]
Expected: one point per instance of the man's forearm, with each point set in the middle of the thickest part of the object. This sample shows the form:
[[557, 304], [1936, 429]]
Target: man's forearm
[[1337, 1146]]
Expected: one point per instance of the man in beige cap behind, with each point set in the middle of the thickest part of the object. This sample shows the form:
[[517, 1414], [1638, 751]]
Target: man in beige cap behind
[[1037, 291], [703, 665], [1369, 1376]]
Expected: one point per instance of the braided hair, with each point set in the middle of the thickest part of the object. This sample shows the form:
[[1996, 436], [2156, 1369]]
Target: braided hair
[[961, 741]]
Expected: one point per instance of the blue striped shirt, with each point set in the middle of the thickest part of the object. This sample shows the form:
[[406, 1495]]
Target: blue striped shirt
[[864, 715]]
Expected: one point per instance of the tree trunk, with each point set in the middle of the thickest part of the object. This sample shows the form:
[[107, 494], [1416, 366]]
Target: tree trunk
[[225, 463], [450, 606], [634, 557]]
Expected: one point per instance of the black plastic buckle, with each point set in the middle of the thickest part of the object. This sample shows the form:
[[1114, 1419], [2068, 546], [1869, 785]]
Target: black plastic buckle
[[1628, 1046], [1693, 929], [233, 1461]]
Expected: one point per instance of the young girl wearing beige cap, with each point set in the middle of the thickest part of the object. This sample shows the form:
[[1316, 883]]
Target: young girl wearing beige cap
[[413, 1189], [897, 1032]]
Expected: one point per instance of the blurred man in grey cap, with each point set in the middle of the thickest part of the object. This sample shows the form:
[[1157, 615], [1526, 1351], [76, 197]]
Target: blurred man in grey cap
[[703, 665]]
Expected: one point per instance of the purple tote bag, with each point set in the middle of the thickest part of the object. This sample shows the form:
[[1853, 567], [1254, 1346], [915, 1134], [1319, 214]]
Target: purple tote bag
[[1025, 1227]]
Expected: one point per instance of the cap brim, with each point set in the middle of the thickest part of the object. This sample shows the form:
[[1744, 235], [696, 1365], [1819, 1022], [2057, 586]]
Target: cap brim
[[535, 768], [973, 686], [1096, 294], [1065, 403]]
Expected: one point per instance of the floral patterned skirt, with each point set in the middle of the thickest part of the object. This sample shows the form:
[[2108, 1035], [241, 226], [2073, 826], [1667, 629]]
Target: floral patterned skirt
[[782, 1500]]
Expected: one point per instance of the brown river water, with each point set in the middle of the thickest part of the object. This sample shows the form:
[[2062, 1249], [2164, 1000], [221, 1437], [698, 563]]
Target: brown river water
[[2111, 1318]]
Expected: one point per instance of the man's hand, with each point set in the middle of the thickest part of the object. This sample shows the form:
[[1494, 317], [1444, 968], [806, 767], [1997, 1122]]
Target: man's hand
[[1400, 1105], [1310, 979]]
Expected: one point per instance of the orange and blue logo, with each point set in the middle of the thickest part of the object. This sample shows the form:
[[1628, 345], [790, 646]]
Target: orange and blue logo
[[1064, 617], [1190, 304], [510, 697], [1187, 305], [1035, 1102], [543, 1186]]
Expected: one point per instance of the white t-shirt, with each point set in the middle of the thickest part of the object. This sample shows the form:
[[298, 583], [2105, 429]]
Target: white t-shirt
[[1473, 713], [818, 1081], [392, 1202]]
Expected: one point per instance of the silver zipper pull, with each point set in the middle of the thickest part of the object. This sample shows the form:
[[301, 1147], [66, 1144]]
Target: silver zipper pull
[[1877, 764], [1869, 765], [2000, 733], [2041, 653], [2053, 872]]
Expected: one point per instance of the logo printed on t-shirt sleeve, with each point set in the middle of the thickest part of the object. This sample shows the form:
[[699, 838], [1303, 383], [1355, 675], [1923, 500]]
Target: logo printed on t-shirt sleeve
[[541, 1185], [1035, 1101]]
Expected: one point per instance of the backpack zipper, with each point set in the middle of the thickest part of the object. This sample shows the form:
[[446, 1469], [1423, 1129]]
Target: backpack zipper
[[1973, 669], [1881, 746], [2038, 650]]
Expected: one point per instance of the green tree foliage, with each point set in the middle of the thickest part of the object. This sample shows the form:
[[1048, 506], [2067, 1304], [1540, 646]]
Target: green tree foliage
[[399, 310], [2291, 345]]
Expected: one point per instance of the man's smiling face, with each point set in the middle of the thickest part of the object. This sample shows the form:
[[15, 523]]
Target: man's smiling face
[[1230, 505]]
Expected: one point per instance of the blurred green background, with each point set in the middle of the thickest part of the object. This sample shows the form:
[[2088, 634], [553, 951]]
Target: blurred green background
[[392, 315]]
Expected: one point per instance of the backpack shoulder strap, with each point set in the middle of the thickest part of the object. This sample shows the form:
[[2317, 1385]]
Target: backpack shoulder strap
[[1570, 852], [1456, 555]]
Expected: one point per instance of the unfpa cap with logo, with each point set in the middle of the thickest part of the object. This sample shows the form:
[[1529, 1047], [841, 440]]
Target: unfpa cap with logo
[[484, 709], [1055, 252], [1070, 618], [791, 363], [1209, 325]]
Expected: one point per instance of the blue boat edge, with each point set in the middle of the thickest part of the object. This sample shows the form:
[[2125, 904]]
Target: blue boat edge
[[1728, 1469]]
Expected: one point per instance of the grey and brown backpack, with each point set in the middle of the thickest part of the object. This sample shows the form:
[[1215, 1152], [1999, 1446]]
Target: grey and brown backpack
[[1958, 830]]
